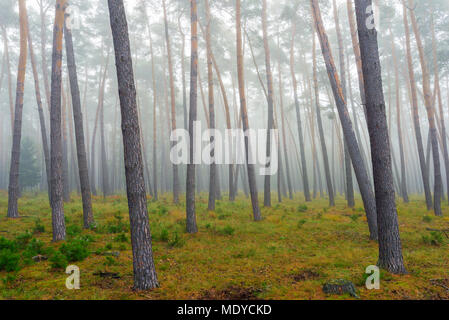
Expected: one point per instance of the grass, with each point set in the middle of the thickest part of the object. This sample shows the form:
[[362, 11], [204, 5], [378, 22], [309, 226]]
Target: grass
[[290, 254]]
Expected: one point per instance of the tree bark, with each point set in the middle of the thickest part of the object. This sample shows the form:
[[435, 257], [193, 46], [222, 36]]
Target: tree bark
[[57, 204], [390, 250], [353, 148], [13, 189], [88, 218], [144, 270], [190, 180]]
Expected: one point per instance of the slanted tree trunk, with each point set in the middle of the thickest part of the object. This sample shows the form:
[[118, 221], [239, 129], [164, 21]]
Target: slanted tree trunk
[[190, 180], [347, 158], [245, 122], [144, 271], [353, 148], [430, 108], [390, 250], [88, 219], [57, 204], [13, 189], [40, 110], [330, 188], [267, 186], [403, 180], [173, 104]]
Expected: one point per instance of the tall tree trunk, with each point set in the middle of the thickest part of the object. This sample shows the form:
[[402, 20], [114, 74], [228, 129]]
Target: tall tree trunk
[[353, 148], [57, 204], [347, 158], [403, 180], [245, 122], [183, 73], [13, 189], [104, 162], [210, 88], [390, 250], [173, 105], [40, 110], [144, 271], [267, 186], [88, 218], [330, 188], [44, 52], [190, 180], [440, 105], [430, 108], [153, 78]]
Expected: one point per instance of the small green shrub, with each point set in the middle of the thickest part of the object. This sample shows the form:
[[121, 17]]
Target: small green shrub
[[75, 249], [302, 208], [301, 223], [58, 260], [228, 230], [7, 244], [354, 217], [121, 238], [73, 230], [427, 219], [435, 238], [176, 241], [38, 227], [110, 261], [9, 260], [23, 239]]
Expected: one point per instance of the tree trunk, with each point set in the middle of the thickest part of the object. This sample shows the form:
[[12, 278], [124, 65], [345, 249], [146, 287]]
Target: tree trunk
[[40, 110], [88, 218], [430, 108], [13, 189], [347, 159], [44, 53], [390, 250], [330, 188], [210, 88], [267, 186], [65, 159], [403, 180], [8, 69], [353, 148], [245, 122], [190, 180], [57, 204], [144, 271], [173, 105]]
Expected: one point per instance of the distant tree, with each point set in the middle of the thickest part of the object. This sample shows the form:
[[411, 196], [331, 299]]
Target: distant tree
[[144, 271], [29, 173]]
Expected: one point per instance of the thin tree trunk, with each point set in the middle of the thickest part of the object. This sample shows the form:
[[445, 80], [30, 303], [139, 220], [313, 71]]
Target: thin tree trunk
[[330, 188], [190, 180], [173, 104], [44, 53], [390, 250], [8, 69], [144, 270], [41, 111], [354, 151], [57, 204], [403, 180], [88, 219], [347, 159], [65, 160], [13, 189], [430, 108], [245, 122]]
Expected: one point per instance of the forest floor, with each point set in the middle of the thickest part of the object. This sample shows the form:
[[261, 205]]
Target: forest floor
[[289, 255]]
